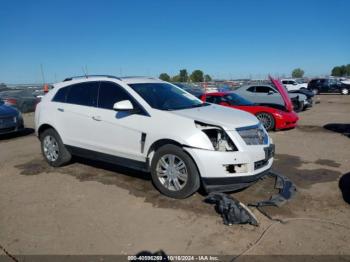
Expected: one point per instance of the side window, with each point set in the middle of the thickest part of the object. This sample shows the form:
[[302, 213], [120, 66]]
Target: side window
[[110, 93], [263, 89], [210, 99], [251, 89], [61, 95], [285, 82], [84, 94]]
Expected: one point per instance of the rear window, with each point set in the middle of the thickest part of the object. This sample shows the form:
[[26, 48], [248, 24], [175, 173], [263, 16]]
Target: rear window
[[84, 94], [61, 95]]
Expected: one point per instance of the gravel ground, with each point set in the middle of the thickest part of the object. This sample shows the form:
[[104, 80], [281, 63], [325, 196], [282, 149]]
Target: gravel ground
[[94, 208]]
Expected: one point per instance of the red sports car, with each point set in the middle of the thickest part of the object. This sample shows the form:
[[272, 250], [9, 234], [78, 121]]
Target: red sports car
[[271, 118]]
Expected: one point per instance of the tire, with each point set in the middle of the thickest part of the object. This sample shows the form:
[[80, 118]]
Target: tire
[[188, 182], [299, 106], [344, 91], [267, 120], [55, 153]]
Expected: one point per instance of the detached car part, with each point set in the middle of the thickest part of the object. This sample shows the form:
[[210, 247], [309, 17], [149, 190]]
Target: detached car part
[[287, 190], [231, 210]]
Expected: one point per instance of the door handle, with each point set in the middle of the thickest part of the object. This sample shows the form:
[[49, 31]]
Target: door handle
[[60, 109], [96, 118]]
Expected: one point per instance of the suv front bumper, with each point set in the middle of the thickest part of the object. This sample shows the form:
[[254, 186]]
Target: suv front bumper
[[225, 184], [230, 171]]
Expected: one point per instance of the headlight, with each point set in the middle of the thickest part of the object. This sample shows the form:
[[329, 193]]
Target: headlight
[[217, 136], [253, 135]]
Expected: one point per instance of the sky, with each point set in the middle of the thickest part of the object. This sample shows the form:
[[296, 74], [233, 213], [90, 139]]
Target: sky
[[224, 38]]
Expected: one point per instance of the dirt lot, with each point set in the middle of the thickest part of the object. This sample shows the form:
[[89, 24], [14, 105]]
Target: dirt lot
[[93, 208]]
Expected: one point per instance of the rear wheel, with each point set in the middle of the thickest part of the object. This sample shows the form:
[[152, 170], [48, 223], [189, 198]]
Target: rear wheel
[[344, 91], [267, 120], [53, 149], [174, 173]]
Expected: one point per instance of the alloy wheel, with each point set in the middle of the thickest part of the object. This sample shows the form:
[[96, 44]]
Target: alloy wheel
[[266, 120], [51, 149], [172, 172]]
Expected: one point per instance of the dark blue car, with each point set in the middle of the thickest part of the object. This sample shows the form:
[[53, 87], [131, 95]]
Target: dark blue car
[[10, 119]]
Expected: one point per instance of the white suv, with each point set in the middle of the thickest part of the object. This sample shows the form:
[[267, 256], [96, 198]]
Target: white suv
[[154, 126], [292, 84]]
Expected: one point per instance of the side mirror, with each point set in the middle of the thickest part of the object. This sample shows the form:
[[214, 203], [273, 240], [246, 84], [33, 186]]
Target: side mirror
[[270, 92], [124, 105], [295, 83]]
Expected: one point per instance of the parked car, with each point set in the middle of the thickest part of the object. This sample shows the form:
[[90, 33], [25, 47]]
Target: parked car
[[23, 100], [271, 118], [309, 96], [10, 119], [154, 126], [194, 90], [328, 85], [292, 84], [268, 95]]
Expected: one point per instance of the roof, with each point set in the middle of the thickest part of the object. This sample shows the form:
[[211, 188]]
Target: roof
[[127, 80]]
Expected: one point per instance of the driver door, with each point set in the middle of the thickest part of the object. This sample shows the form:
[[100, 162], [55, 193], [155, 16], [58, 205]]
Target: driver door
[[119, 132]]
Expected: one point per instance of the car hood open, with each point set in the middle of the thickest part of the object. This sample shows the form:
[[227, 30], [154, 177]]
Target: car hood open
[[227, 118], [284, 94]]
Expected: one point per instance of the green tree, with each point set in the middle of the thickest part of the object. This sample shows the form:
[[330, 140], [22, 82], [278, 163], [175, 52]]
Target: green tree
[[207, 78], [347, 70], [337, 71], [183, 75], [197, 76], [175, 78], [298, 73], [164, 77]]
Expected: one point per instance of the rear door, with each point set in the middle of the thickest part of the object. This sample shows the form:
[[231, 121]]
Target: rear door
[[77, 112]]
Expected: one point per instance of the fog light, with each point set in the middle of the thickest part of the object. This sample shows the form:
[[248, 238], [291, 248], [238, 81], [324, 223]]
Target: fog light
[[236, 168]]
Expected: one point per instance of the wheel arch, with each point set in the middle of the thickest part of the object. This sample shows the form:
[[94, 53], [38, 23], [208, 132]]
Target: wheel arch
[[44, 127], [161, 142]]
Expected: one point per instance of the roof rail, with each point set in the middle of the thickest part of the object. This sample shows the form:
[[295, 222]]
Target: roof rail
[[148, 77], [87, 76]]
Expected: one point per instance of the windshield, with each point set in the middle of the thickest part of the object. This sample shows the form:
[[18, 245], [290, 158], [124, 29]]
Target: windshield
[[164, 96], [237, 100]]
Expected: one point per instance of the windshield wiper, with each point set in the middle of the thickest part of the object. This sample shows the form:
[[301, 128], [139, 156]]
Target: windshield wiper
[[187, 107]]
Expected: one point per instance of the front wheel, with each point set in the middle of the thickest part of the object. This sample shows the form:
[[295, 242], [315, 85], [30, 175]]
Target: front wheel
[[267, 120], [174, 173], [344, 91]]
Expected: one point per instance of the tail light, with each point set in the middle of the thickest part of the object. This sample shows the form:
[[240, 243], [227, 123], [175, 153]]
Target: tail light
[[10, 101]]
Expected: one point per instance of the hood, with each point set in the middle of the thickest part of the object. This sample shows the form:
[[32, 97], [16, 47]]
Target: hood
[[7, 111], [227, 118], [284, 94]]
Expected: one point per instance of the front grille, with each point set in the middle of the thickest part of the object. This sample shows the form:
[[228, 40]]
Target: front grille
[[253, 135], [7, 121]]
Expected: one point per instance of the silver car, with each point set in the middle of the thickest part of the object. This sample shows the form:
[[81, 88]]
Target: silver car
[[267, 95]]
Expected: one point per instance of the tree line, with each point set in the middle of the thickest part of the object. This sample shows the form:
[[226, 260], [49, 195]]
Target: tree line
[[183, 76], [343, 70]]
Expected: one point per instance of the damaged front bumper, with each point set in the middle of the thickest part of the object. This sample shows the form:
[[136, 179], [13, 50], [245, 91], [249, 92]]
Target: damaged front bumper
[[225, 184], [287, 190]]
